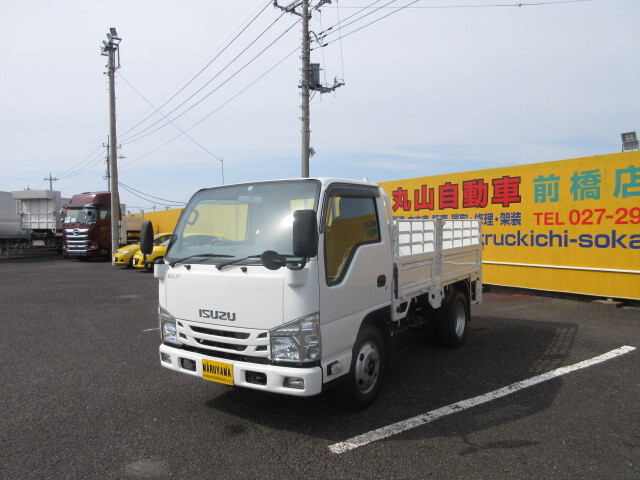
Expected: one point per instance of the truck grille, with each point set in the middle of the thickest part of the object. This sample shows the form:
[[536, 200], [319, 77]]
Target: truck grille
[[249, 342], [220, 333], [77, 240]]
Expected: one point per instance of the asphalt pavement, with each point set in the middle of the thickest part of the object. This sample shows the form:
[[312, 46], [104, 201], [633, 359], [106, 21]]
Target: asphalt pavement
[[83, 395]]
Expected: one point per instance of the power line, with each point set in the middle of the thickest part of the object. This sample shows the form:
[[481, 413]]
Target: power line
[[171, 121], [217, 109], [360, 9], [132, 137], [94, 161], [184, 132], [341, 25], [324, 61], [138, 193], [63, 175], [341, 52], [398, 9], [83, 182], [200, 72], [487, 5], [80, 162]]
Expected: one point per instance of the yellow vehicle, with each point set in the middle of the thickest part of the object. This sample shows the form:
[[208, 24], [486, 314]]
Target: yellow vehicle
[[124, 255], [139, 260]]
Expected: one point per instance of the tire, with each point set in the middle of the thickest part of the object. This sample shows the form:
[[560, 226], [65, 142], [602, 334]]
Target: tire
[[452, 320], [367, 370]]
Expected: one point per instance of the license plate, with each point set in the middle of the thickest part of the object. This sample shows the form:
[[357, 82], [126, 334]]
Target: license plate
[[219, 372]]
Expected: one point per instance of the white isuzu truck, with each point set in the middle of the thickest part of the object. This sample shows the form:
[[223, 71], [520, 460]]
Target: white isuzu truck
[[295, 286]]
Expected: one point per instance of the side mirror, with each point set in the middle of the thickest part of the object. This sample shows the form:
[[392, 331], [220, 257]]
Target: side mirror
[[146, 237], [305, 233]]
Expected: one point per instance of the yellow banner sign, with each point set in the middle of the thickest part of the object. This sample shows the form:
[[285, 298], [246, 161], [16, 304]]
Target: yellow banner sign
[[569, 225]]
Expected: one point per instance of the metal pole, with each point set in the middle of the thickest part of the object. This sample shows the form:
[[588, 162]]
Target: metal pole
[[306, 68], [113, 156]]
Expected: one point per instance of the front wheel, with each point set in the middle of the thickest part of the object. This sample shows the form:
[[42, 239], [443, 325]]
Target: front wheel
[[367, 370], [452, 320]]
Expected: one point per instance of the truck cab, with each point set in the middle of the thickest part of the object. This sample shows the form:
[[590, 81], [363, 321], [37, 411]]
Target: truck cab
[[87, 226]]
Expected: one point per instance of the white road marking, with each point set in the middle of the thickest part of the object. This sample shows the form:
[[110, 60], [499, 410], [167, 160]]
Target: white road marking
[[428, 417], [151, 329]]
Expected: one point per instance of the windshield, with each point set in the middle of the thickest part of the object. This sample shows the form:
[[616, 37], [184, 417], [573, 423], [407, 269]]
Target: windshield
[[81, 215], [241, 221]]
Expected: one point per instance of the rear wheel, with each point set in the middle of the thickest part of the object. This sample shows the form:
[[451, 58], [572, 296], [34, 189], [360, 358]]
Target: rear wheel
[[452, 320], [367, 370]]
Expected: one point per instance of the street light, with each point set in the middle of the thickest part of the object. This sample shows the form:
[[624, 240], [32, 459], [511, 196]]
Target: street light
[[629, 141], [112, 44]]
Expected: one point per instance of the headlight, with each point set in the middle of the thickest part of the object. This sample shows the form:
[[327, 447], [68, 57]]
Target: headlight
[[125, 251], [297, 341], [168, 328]]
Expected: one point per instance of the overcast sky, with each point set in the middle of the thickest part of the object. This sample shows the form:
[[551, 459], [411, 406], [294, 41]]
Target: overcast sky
[[428, 90]]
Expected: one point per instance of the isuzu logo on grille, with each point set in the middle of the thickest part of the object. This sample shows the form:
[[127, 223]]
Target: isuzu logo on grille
[[217, 315]]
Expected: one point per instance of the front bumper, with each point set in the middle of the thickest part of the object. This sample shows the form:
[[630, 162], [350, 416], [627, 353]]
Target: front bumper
[[83, 253], [275, 374], [139, 262], [121, 259]]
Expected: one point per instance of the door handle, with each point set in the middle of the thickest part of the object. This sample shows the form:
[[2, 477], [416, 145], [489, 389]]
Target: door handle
[[382, 281]]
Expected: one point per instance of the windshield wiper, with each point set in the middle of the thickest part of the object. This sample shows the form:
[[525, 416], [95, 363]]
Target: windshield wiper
[[205, 255], [220, 266]]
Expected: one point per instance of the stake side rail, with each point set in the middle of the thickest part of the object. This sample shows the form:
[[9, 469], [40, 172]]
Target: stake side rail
[[431, 254]]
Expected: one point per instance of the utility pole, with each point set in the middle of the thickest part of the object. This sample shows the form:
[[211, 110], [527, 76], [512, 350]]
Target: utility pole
[[307, 84], [108, 175], [306, 60], [51, 180], [109, 50]]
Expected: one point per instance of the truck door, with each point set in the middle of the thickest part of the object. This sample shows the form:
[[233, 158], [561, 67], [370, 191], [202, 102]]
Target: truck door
[[104, 228], [356, 258]]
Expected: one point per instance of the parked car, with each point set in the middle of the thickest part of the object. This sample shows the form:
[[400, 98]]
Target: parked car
[[139, 260], [124, 255]]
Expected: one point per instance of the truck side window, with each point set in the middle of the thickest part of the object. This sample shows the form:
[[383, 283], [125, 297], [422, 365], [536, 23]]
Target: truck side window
[[350, 222]]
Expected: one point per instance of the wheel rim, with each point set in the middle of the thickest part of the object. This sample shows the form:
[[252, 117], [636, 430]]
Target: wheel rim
[[367, 367], [461, 318]]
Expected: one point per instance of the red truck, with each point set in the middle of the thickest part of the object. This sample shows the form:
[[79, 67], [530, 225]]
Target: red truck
[[87, 226]]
